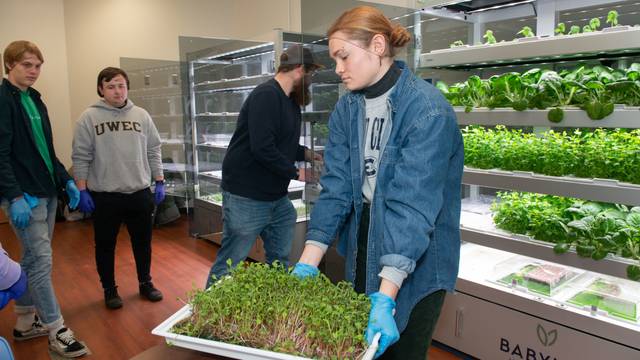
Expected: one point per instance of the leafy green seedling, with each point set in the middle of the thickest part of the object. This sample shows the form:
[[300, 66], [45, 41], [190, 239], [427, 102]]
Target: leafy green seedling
[[488, 35], [263, 306], [575, 29], [594, 24], [560, 28], [456, 43], [587, 29], [612, 18], [526, 32]]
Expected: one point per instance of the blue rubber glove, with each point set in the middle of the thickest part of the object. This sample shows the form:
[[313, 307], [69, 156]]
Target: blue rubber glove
[[15, 291], [5, 297], [20, 213], [31, 200], [381, 321], [86, 204], [159, 195], [74, 194], [302, 270]]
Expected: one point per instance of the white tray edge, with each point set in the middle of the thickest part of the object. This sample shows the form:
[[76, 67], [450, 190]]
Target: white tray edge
[[210, 346]]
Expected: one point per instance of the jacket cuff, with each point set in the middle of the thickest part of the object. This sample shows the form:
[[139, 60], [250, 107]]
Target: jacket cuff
[[318, 244], [319, 236], [399, 262], [394, 275]]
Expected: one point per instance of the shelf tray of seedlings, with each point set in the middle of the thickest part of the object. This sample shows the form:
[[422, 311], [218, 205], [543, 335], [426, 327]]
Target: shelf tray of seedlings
[[263, 312]]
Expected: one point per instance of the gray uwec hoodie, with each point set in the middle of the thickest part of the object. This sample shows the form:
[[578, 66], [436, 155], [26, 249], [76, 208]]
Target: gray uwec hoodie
[[116, 150]]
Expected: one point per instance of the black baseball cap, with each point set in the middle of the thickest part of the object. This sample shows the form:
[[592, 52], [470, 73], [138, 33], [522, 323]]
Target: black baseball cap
[[298, 55]]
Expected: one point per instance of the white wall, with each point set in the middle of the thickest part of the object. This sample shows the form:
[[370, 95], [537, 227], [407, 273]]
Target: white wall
[[42, 21], [100, 32]]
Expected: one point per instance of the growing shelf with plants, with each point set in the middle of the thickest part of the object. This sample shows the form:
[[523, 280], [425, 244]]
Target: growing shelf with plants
[[621, 40], [550, 194]]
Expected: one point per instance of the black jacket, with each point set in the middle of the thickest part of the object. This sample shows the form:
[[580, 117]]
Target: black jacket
[[22, 168], [260, 160]]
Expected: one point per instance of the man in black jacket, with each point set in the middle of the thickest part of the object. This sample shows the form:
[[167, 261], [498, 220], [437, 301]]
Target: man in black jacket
[[260, 163], [31, 176]]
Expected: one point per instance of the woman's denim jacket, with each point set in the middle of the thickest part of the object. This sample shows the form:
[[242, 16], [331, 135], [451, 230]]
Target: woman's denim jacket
[[415, 212]]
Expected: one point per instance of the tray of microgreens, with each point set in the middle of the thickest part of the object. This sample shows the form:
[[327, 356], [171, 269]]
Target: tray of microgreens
[[262, 311]]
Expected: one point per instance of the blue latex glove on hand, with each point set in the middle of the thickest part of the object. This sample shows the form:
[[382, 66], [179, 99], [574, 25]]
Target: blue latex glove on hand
[[74, 194], [20, 213], [15, 291], [31, 200], [159, 193], [381, 321], [86, 204], [302, 270]]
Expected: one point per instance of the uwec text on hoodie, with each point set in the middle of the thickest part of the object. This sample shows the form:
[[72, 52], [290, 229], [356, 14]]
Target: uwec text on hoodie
[[116, 149]]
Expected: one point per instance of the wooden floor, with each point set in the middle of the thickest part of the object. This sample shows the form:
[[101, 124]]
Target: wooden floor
[[179, 264]]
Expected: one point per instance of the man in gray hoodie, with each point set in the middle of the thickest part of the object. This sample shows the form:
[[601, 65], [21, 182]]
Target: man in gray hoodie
[[116, 153]]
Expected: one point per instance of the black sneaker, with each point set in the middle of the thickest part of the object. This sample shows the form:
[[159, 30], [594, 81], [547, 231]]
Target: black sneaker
[[111, 298], [66, 345], [37, 330], [151, 293]]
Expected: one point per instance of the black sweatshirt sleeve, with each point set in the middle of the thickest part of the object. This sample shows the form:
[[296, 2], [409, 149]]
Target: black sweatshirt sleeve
[[264, 117], [300, 153], [9, 187]]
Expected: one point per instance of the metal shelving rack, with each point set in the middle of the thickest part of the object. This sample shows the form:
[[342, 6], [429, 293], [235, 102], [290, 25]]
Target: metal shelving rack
[[611, 42], [623, 117], [604, 190], [155, 85], [486, 245], [220, 79]]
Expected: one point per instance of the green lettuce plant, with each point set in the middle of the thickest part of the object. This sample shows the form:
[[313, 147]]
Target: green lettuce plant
[[560, 28], [526, 31], [593, 229], [600, 153], [575, 29], [488, 35], [593, 89], [612, 18]]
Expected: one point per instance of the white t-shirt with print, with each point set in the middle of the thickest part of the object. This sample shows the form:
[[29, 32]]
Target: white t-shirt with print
[[376, 121]]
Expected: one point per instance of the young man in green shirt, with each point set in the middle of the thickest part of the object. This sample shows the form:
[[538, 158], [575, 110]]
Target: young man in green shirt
[[31, 177]]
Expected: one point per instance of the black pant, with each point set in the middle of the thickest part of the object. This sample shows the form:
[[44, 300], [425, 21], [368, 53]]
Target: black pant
[[415, 339], [112, 209]]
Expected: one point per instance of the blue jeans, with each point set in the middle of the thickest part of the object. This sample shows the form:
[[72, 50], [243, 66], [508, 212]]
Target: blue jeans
[[37, 263], [243, 219]]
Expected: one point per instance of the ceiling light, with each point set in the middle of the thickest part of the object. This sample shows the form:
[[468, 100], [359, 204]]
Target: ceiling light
[[512, 4]]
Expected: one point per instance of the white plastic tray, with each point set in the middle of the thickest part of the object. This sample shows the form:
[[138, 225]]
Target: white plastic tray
[[224, 349]]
